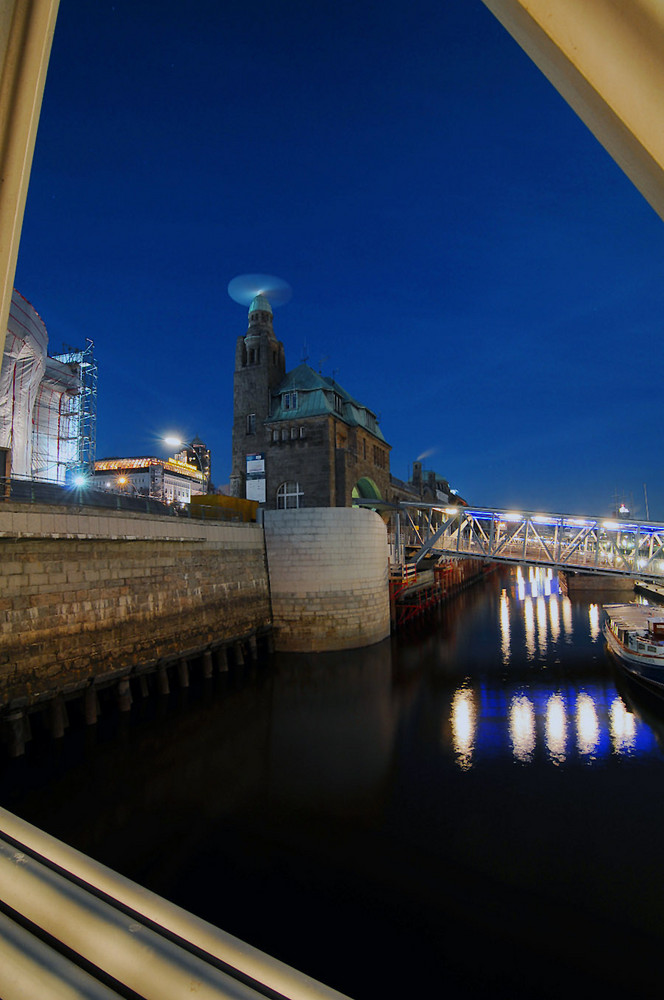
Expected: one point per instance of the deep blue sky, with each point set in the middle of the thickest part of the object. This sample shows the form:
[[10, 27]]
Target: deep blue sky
[[464, 256]]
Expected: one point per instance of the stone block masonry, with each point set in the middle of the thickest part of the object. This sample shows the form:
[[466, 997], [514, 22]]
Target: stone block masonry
[[85, 593], [328, 572]]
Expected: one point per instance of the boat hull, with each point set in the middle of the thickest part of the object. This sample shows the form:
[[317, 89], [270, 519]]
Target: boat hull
[[645, 668]]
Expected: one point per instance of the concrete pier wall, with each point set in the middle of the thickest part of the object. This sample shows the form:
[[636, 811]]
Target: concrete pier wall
[[328, 572], [85, 593]]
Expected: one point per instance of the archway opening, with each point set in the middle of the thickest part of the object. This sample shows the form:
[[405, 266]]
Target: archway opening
[[366, 489]]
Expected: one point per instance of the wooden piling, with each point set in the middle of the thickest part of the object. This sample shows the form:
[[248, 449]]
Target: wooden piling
[[15, 727], [124, 695], [207, 664], [57, 715], [183, 673], [162, 679], [91, 705]]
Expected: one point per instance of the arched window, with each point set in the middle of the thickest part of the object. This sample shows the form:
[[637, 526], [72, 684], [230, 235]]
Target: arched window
[[289, 496]]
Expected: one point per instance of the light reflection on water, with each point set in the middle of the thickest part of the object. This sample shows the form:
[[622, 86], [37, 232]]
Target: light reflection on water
[[463, 726], [427, 798], [556, 728], [590, 725], [522, 727], [583, 719]]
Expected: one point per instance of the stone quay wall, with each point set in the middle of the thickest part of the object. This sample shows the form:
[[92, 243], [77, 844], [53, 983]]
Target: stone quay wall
[[86, 593], [328, 571]]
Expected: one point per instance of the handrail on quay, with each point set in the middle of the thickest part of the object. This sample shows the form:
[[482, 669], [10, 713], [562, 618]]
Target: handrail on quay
[[124, 936], [35, 491]]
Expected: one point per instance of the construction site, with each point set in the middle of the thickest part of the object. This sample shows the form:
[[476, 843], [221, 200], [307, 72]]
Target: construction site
[[48, 403]]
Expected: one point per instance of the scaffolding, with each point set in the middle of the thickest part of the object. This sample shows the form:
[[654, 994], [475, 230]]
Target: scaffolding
[[81, 427]]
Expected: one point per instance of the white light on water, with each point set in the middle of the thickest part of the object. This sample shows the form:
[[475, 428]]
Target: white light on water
[[463, 726], [556, 728], [504, 627], [593, 615], [529, 620], [541, 623], [623, 727], [587, 726], [567, 618], [522, 728], [520, 584], [554, 615]]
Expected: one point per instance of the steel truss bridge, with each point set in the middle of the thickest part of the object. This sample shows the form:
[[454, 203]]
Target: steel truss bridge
[[632, 549]]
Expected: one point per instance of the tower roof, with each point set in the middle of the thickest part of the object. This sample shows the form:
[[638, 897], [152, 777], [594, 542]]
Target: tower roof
[[260, 304], [316, 394]]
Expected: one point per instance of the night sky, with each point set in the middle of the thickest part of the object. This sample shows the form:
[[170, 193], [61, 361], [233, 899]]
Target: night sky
[[465, 258]]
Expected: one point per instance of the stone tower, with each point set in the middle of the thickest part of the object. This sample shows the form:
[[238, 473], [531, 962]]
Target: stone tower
[[260, 366]]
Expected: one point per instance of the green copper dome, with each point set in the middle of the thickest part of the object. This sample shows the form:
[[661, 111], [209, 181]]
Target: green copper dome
[[260, 304]]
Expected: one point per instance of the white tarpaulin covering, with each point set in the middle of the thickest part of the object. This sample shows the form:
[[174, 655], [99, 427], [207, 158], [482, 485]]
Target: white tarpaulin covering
[[23, 365], [56, 422]]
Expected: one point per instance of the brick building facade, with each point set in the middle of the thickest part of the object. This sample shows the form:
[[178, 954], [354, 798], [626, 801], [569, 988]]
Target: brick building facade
[[299, 439]]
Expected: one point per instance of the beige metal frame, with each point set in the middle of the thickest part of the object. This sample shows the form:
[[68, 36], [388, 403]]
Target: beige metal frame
[[26, 34], [606, 58]]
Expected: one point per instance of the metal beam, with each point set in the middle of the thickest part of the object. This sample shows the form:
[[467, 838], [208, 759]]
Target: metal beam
[[606, 58], [26, 34], [562, 541]]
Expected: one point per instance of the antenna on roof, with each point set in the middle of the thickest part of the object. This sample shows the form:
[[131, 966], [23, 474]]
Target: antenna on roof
[[321, 363], [305, 352]]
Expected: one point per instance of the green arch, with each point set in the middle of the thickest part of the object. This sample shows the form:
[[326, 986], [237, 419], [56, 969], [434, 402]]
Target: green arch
[[366, 489]]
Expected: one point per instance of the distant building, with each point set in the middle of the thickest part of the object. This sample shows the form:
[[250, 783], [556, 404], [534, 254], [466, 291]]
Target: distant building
[[169, 480], [432, 487], [198, 455], [299, 439]]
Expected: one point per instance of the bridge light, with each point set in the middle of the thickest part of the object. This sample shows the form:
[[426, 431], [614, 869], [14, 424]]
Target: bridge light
[[452, 510], [611, 525]]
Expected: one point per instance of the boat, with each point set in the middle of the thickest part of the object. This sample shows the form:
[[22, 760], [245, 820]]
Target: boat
[[635, 635]]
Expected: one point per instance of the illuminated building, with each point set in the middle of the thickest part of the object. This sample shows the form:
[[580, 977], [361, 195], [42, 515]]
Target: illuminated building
[[198, 455], [166, 479], [299, 439], [47, 404]]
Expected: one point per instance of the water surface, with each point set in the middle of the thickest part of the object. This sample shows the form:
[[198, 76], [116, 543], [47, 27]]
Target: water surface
[[472, 808]]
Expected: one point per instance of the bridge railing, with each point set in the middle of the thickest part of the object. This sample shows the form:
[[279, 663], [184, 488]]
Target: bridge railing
[[589, 544]]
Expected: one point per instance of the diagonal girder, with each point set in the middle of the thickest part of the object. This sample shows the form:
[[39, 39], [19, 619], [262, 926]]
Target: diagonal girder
[[571, 542]]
